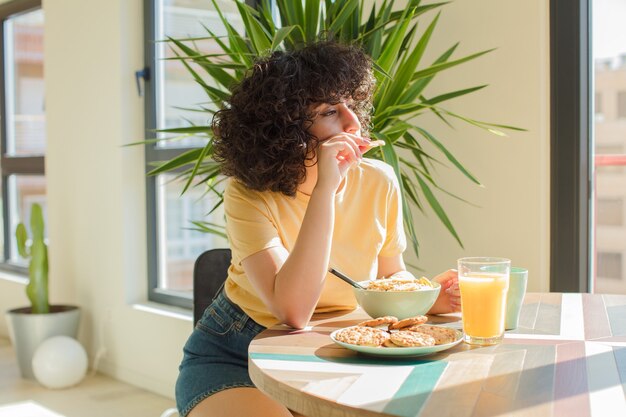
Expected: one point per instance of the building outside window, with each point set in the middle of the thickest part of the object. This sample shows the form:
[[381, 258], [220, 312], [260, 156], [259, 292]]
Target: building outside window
[[609, 143], [23, 122]]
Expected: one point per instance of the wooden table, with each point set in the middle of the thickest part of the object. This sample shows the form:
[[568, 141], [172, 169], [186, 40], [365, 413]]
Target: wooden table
[[567, 358]]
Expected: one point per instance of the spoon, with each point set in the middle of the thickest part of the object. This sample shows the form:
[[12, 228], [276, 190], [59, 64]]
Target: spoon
[[346, 279]]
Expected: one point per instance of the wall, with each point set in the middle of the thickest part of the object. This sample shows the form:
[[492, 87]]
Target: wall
[[96, 191], [512, 217], [96, 187]]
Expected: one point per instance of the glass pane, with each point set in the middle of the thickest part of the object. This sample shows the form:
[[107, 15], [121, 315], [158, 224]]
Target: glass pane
[[609, 48], [179, 241], [25, 109], [24, 191], [176, 88], [610, 211], [610, 265]]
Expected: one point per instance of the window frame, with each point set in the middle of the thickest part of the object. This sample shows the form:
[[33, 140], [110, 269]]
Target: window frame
[[12, 165], [153, 154], [571, 146]]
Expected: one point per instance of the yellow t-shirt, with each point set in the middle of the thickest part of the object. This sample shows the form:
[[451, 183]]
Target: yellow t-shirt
[[368, 223]]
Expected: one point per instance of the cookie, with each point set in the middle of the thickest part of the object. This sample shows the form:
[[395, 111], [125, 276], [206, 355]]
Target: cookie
[[389, 343], [411, 321], [379, 321], [442, 335], [407, 338], [362, 336]]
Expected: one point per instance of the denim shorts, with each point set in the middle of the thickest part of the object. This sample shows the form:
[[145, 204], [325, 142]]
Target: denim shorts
[[216, 354]]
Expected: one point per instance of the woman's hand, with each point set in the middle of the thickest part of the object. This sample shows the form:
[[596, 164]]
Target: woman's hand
[[449, 299], [336, 155]]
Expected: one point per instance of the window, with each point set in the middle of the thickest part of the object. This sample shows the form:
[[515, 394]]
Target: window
[[23, 121], [608, 192], [598, 104], [174, 242], [610, 265], [610, 212]]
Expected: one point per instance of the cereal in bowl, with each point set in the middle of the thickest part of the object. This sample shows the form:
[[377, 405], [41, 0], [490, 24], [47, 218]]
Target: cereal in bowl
[[399, 284]]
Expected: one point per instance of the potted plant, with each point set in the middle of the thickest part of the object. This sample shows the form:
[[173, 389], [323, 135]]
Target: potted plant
[[390, 36], [30, 326]]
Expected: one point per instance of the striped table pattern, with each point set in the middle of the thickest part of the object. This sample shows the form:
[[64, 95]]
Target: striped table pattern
[[567, 358]]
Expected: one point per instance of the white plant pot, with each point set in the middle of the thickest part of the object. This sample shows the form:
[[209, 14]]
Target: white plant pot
[[27, 331]]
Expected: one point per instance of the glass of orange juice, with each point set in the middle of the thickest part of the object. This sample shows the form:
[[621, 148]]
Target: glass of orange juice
[[484, 283]]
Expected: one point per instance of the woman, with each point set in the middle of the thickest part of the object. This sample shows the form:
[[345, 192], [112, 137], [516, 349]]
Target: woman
[[301, 198]]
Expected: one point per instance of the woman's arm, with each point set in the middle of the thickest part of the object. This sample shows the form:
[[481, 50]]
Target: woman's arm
[[290, 284]]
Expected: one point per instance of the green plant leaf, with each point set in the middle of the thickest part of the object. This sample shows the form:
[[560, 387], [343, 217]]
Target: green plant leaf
[[443, 66], [347, 8], [406, 69], [439, 211], [218, 96], [208, 227], [448, 155], [206, 150], [186, 158], [454, 94], [187, 129], [491, 127], [311, 19], [280, 35], [259, 37], [21, 236], [216, 73], [391, 46], [265, 17]]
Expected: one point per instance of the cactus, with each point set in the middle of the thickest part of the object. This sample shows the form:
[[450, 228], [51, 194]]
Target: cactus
[[37, 288]]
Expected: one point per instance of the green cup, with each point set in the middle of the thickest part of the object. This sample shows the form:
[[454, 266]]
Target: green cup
[[515, 296]]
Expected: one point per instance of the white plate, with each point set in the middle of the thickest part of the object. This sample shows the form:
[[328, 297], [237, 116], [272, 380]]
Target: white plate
[[400, 351]]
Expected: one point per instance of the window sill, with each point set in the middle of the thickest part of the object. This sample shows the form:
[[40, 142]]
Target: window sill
[[13, 277], [164, 310]]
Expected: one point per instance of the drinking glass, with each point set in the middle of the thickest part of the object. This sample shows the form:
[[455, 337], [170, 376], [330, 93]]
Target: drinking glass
[[484, 283]]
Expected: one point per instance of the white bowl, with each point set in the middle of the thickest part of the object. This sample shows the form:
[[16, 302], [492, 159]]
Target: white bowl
[[401, 304]]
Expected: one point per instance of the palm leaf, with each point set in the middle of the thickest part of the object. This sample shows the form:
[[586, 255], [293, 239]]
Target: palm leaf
[[280, 36], [207, 227], [448, 155], [439, 211], [344, 13], [186, 158], [257, 34], [446, 65]]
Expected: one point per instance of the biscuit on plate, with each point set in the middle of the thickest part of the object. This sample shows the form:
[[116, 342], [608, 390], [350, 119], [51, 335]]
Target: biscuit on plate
[[389, 343], [442, 335], [410, 321], [362, 336], [378, 321], [407, 338]]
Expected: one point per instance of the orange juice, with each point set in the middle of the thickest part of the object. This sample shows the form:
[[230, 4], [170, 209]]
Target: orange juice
[[483, 299]]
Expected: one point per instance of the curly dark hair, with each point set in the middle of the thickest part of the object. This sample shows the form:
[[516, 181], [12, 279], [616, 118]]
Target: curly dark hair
[[261, 136]]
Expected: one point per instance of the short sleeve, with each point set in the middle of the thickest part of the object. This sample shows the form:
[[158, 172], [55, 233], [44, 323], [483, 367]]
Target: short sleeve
[[249, 225], [395, 238]]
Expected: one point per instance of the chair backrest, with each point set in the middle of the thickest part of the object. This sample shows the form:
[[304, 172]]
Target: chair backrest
[[209, 273]]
